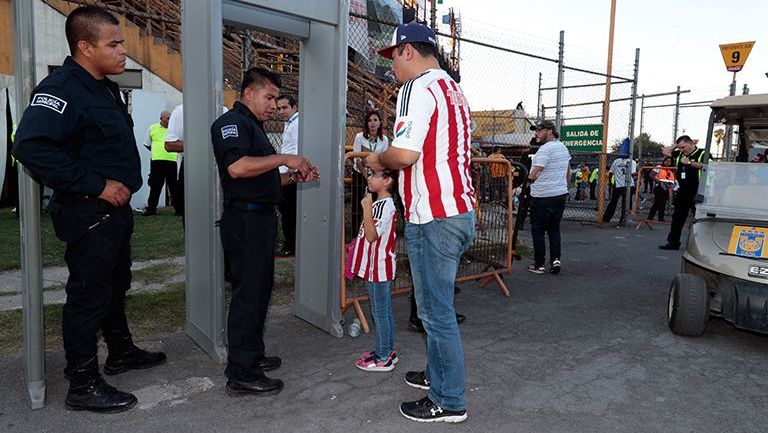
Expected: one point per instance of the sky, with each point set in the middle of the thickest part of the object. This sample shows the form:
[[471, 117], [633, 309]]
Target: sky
[[678, 40]]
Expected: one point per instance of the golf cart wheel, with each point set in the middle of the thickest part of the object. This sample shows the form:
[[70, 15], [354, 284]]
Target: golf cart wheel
[[688, 305]]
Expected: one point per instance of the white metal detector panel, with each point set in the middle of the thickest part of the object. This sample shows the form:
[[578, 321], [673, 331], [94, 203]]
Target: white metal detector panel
[[321, 28]]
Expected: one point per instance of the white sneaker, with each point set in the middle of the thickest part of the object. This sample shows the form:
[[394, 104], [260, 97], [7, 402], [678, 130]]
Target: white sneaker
[[555, 268]]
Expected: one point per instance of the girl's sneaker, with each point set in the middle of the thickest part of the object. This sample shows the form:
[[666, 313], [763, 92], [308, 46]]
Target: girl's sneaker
[[374, 363], [366, 356]]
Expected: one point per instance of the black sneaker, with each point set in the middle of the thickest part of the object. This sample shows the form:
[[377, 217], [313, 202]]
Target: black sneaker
[[669, 246], [536, 269], [555, 267], [425, 410], [417, 379], [415, 326]]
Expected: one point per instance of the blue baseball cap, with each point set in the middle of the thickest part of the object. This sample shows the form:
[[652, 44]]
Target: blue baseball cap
[[409, 33]]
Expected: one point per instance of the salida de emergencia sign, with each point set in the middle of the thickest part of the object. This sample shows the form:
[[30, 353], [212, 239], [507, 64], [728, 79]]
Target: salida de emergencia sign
[[582, 138]]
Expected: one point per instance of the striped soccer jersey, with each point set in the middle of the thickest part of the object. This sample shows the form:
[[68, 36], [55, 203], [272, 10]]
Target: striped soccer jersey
[[433, 119], [375, 261]]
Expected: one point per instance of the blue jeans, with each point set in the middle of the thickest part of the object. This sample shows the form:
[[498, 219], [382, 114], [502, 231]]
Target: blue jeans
[[546, 213], [381, 310], [434, 250]]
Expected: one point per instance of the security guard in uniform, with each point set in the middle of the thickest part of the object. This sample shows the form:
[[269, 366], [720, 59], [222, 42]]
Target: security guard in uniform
[[689, 160], [248, 166], [162, 167], [76, 136]]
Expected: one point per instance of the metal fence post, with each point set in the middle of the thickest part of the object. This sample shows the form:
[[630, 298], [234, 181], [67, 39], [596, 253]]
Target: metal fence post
[[539, 115], [433, 15], [729, 129], [642, 114], [560, 70], [631, 135], [677, 114], [29, 215], [247, 51]]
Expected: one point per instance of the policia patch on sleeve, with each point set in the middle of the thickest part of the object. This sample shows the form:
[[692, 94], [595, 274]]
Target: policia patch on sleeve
[[228, 131], [49, 101]]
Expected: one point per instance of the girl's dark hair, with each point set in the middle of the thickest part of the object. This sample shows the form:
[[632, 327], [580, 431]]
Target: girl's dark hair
[[671, 161], [393, 189], [368, 114]]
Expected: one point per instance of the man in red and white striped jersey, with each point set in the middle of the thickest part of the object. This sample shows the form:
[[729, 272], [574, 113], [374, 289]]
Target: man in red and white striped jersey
[[432, 147]]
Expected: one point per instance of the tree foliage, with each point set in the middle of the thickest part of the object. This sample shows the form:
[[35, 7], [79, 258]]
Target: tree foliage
[[651, 149]]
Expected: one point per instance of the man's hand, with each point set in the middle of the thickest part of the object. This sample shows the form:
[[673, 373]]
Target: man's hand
[[115, 193], [372, 162], [305, 170], [685, 160], [314, 174], [174, 146], [359, 165]]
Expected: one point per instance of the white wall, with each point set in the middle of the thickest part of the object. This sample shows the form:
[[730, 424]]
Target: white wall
[[146, 111]]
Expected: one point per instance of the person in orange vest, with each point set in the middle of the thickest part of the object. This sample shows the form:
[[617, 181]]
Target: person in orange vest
[[664, 177], [498, 176]]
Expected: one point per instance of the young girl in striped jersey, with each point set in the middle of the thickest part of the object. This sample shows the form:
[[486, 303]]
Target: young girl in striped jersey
[[374, 261]]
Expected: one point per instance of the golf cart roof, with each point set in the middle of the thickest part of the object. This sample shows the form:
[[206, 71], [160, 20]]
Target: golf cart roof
[[732, 109], [742, 101]]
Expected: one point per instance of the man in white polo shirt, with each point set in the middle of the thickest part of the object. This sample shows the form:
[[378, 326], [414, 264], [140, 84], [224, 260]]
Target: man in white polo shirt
[[549, 173], [174, 142], [288, 112]]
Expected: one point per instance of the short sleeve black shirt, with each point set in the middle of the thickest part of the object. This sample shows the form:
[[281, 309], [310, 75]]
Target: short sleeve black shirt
[[688, 176], [236, 134]]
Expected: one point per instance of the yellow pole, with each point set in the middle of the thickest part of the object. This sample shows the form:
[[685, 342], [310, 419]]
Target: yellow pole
[[606, 111]]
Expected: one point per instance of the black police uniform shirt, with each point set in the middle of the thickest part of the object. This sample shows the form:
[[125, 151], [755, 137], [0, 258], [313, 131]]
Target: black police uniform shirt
[[688, 176], [238, 133], [77, 132]]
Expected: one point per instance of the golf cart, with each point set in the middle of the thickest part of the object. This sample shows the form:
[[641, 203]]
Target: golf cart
[[725, 263]]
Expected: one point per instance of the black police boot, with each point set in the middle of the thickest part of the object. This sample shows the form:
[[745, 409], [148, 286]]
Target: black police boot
[[124, 355], [89, 391]]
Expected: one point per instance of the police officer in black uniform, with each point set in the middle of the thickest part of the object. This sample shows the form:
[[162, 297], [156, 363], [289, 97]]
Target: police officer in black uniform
[[76, 136], [248, 166], [688, 159]]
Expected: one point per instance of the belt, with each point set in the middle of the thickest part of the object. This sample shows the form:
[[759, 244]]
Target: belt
[[67, 198], [249, 206]]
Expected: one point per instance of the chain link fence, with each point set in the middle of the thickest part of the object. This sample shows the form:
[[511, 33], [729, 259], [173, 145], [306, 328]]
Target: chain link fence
[[512, 80]]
